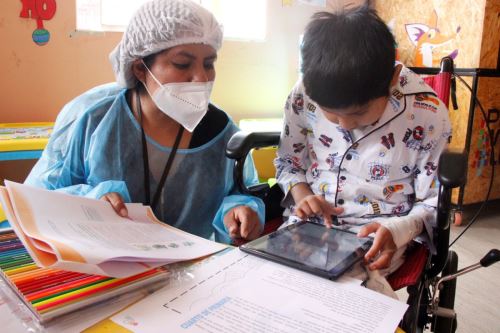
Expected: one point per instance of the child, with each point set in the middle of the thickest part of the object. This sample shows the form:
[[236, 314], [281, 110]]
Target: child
[[362, 136]]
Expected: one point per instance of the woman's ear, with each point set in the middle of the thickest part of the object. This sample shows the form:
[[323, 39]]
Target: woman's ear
[[139, 70]]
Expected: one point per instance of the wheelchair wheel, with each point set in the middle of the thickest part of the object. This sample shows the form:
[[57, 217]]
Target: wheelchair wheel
[[416, 317], [447, 296]]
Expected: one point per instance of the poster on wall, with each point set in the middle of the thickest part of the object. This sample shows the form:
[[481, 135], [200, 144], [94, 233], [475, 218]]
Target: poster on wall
[[39, 10], [431, 45]]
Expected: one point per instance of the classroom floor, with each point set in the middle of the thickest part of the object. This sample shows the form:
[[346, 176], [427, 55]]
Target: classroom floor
[[478, 292]]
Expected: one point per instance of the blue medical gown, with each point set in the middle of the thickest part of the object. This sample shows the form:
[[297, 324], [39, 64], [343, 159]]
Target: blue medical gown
[[96, 148]]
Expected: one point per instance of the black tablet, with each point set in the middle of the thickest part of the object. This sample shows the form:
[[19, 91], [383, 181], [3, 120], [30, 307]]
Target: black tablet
[[311, 247]]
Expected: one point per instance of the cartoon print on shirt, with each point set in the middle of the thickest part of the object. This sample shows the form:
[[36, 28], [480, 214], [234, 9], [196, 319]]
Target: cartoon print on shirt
[[287, 103], [391, 189], [341, 183], [394, 103], [315, 172], [306, 131], [298, 147], [426, 102], [403, 80], [325, 140], [397, 94], [379, 171], [430, 167], [333, 161], [323, 187], [410, 116], [298, 103], [406, 169], [311, 107], [361, 199], [388, 140], [400, 209], [413, 138], [345, 134], [287, 130], [416, 171], [375, 207], [288, 161], [312, 152]]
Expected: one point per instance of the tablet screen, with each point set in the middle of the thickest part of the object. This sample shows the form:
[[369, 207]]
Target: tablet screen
[[312, 247]]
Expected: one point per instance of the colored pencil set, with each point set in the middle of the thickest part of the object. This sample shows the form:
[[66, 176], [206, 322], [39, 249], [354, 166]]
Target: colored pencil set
[[50, 293]]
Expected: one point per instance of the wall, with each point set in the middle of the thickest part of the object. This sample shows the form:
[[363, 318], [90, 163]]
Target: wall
[[253, 79], [475, 45]]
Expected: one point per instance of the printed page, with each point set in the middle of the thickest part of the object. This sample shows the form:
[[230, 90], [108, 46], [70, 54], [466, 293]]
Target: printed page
[[237, 292], [87, 231]]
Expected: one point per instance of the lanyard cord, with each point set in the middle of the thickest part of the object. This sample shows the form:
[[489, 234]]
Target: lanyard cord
[[145, 159]]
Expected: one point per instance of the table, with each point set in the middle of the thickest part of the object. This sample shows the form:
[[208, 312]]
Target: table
[[22, 141]]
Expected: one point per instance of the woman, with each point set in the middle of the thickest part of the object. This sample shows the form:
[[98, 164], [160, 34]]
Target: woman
[[154, 138]]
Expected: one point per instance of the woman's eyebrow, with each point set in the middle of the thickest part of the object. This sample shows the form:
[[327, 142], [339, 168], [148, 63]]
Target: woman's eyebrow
[[186, 54], [211, 57], [192, 56]]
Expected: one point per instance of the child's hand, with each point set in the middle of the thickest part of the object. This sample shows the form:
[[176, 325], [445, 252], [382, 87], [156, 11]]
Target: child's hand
[[383, 246], [242, 222], [116, 202], [317, 205]]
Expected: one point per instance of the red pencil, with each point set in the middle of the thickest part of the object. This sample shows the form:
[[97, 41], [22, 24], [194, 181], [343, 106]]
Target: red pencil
[[42, 285], [63, 287]]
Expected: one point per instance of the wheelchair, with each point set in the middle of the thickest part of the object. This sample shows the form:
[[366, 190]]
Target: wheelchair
[[429, 278]]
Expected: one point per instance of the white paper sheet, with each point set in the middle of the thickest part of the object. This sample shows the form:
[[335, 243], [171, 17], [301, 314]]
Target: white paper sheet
[[85, 235], [237, 292]]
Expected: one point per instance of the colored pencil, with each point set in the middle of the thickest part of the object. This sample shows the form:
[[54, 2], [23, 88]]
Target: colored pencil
[[50, 290]]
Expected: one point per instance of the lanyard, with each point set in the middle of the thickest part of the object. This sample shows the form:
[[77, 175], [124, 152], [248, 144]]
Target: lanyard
[[145, 159]]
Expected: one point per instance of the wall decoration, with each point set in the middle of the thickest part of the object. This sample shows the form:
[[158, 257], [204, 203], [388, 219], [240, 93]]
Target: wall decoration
[[39, 10], [430, 44]]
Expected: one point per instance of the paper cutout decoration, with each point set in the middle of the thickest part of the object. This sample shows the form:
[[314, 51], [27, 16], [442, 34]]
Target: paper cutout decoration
[[39, 10]]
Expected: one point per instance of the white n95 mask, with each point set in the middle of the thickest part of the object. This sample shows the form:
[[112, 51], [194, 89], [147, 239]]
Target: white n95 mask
[[185, 102]]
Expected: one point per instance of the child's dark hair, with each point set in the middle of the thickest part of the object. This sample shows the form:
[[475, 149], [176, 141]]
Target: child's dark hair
[[348, 58]]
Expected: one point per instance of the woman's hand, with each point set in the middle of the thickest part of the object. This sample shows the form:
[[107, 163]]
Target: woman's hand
[[317, 205], [116, 201], [383, 246], [242, 222]]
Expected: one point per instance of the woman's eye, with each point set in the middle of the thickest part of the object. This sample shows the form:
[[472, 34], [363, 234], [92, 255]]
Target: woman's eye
[[209, 65], [181, 65]]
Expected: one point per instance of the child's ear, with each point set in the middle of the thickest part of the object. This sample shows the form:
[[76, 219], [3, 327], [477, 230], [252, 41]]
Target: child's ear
[[139, 70], [395, 76]]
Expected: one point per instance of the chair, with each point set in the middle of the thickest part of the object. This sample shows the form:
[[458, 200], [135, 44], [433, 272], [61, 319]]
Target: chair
[[420, 272]]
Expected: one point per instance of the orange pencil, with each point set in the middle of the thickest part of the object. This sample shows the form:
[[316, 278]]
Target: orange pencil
[[24, 276]]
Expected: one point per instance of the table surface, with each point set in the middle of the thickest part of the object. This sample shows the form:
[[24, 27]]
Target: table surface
[[24, 136]]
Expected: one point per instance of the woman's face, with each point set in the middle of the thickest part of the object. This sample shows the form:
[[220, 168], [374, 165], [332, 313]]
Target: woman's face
[[182, 63]]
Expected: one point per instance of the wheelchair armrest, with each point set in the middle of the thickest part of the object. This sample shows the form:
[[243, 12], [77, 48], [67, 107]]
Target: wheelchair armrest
[[452, 172], [241, 143], [452, 169], [239, 146]]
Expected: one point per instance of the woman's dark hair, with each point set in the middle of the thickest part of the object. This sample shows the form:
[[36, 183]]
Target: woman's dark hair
[[148, 61], [348, 58]]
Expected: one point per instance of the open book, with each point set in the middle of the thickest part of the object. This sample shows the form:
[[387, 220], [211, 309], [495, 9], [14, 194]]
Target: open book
[[85, 235]]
